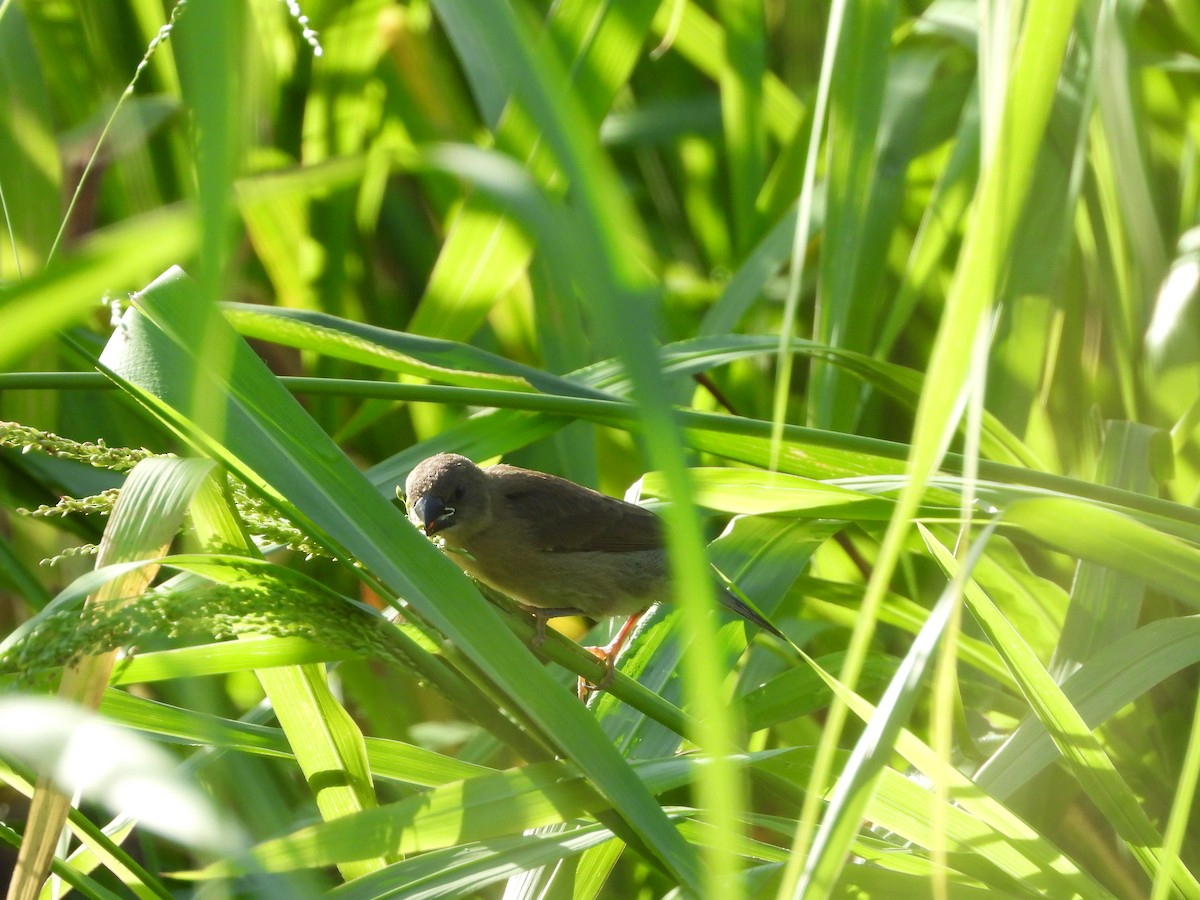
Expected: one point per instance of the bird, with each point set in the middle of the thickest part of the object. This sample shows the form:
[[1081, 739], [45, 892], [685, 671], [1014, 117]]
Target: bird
[[556, 547]]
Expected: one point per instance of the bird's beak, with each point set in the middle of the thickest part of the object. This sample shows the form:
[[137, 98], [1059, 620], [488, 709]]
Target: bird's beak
[[433, 515]]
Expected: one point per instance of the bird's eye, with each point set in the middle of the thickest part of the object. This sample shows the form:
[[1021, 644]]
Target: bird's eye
[[458, 492]]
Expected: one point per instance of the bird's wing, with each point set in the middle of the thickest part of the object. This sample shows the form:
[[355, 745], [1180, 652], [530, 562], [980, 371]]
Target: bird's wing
[[562, 517]]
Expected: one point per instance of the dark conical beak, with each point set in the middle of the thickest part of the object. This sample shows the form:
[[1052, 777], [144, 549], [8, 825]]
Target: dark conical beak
[[432, 514]]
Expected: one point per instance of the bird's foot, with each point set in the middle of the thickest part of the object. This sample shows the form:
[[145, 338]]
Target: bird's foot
[[609, 659], [608, 655]]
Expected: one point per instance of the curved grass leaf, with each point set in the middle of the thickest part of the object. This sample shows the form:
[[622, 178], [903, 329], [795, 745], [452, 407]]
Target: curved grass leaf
[[1082, 752], [471, 866], [448, 362], [856, 782], [481, 808], [1113, 678], [1112, 539]]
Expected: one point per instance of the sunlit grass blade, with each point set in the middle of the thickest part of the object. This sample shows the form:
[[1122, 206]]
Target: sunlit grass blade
[[1083, 753], [1114, 540], [30, 178], [97, 846], [1181, 814], [1105, 605], [444, 361], [485, 253], [700, 40], [857, 225], [470, 867], [1112, 679], [123, 256], [144, 521], [464, 365], [857, 780], [326, 740], [225, 657], [741, 84], [974, 823], [487, 806], [389, 760]]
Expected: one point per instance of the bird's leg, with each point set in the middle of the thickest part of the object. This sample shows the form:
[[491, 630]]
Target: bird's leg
[[540, 616], [539, 634], [608, 655]]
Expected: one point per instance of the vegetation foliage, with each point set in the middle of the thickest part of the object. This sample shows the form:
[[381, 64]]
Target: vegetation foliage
[[889, 308]]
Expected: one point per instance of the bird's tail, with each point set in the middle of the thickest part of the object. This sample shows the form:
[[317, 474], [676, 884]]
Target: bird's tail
[[733, 599]]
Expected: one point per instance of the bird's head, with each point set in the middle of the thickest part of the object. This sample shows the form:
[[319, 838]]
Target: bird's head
[[448, 494]]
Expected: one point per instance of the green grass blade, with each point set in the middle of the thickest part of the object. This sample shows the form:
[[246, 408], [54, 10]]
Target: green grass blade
[[741, 85], [1115, 677], [122, 256], [856, 234], [857, 781], [1082, 752], [488, 806], [470, 867]]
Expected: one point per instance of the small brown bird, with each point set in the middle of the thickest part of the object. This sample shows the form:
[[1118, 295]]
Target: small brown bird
[[553, 545]]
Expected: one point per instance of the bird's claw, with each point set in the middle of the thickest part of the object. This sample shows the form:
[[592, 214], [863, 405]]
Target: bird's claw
[[586, 687]]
